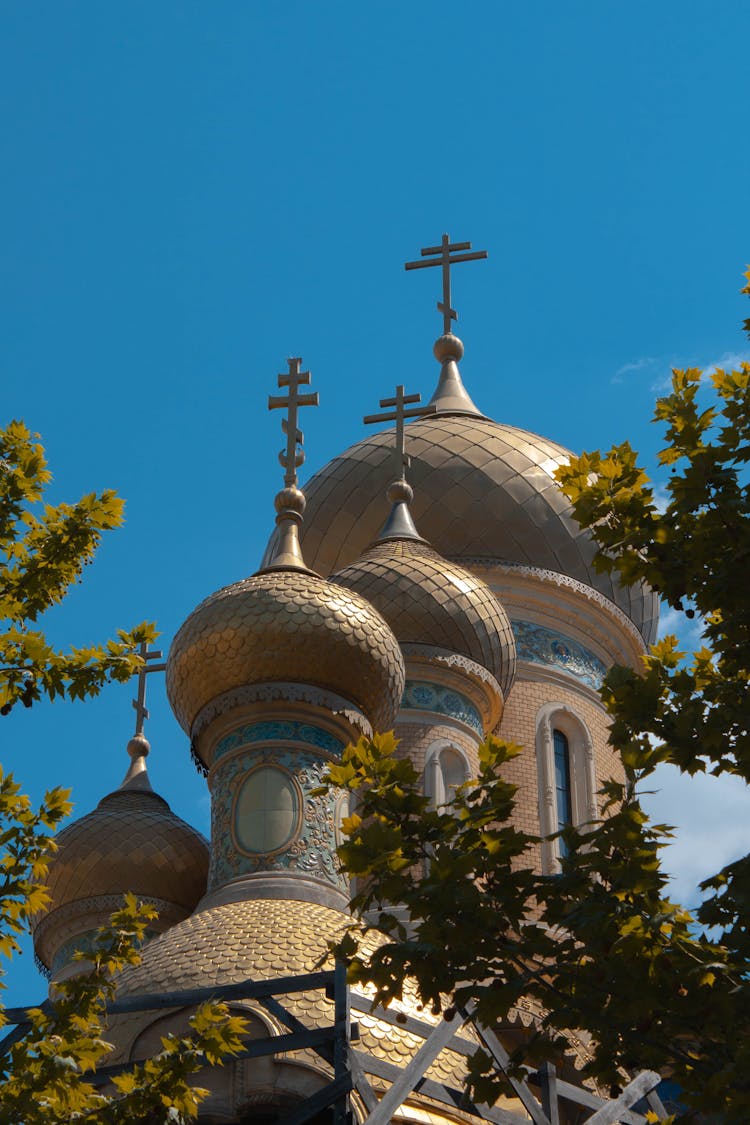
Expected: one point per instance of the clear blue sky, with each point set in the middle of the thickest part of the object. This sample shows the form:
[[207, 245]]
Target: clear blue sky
[[192, 192]]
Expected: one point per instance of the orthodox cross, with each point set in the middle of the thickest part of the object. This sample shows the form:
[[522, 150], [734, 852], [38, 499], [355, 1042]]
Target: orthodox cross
[[141, 711], [398, 415], [445, 250], [293, 456]]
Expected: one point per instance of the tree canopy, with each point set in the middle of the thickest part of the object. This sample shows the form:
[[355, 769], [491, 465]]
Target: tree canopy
[[43, 550], [600, 946], [49, 1063]]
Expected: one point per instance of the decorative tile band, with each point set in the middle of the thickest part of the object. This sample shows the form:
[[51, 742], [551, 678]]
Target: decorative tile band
[[279, 731], [422, 696], [545, 646]]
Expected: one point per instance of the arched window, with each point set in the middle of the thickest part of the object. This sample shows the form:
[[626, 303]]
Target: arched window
[[445, 770], [563, 786], [567, 781]]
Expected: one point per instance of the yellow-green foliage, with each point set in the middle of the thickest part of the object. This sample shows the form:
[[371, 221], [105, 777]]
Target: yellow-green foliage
[[43, 550]]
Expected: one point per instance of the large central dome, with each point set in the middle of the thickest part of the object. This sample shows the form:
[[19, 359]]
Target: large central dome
[[482, 490]]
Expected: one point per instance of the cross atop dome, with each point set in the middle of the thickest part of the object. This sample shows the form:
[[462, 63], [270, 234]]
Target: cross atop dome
[[398, 415], [445, 261], [290, 502], [139, 747], [293, 456], [399, 524], [141, 711]]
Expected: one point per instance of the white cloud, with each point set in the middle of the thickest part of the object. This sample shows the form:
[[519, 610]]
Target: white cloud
[[728, 361], [713, 828], [641, 364]]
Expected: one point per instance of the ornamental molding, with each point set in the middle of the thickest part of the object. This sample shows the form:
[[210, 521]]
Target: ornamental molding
[[539, 574], [309, 851], [278, 730], [271, 692], [421, 695], [450, 659], [537, 644]]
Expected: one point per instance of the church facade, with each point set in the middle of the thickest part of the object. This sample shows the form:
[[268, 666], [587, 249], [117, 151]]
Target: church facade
[[455, 598]]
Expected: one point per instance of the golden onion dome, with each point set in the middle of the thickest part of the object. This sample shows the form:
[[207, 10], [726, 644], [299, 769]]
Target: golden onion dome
[[428, 600], [286, 625], [131, 842], [483, 490]]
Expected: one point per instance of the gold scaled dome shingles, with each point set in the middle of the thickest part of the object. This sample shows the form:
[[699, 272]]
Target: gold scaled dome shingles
[[427, 600], [260, 939], [481, 490], [289, 626], [132, 841]]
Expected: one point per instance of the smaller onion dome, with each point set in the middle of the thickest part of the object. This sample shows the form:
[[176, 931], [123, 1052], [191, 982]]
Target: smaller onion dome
[[131, 842], [428, 600], [286, 623], [289, 626]]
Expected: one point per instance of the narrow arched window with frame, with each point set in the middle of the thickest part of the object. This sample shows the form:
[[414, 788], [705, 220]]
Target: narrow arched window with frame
[[563, 787], [445, 770]]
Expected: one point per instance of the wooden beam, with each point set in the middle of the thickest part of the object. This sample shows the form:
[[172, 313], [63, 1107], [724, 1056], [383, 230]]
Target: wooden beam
[[641, 1085], [655, 1103], [520, 1088], [341, 1042], [339, 1088], [409, 1023], [415, 1069], [579, 1095], [437, 1092], [255, 1049], [245, 990], [361, 1083], [550, 1104]]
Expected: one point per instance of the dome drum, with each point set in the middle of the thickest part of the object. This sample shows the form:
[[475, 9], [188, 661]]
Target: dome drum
[[447, 670], [329, 721], [61, 933]]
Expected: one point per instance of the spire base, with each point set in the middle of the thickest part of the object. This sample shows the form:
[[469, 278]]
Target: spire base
[[287, 555], [451, 396]]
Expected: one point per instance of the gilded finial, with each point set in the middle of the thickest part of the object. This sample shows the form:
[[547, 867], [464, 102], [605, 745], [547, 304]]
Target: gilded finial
[[450, 397], [139, 746], [400, 523], [290, 502]]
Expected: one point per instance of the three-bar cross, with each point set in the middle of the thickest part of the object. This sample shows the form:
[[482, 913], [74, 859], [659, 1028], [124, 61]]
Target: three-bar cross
[[398, 415], [445, 250], [141, 711], [293, 456]]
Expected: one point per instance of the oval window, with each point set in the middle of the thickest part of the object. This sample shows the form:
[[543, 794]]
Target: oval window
[[266, 811]]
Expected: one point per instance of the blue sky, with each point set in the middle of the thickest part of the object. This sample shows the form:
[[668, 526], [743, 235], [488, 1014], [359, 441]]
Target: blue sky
[[192, 192]]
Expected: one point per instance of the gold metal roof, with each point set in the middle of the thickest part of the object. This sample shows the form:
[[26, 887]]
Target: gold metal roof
[[291, 626], [132, 841], [481, 490], [261, 939], [428, 600]]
